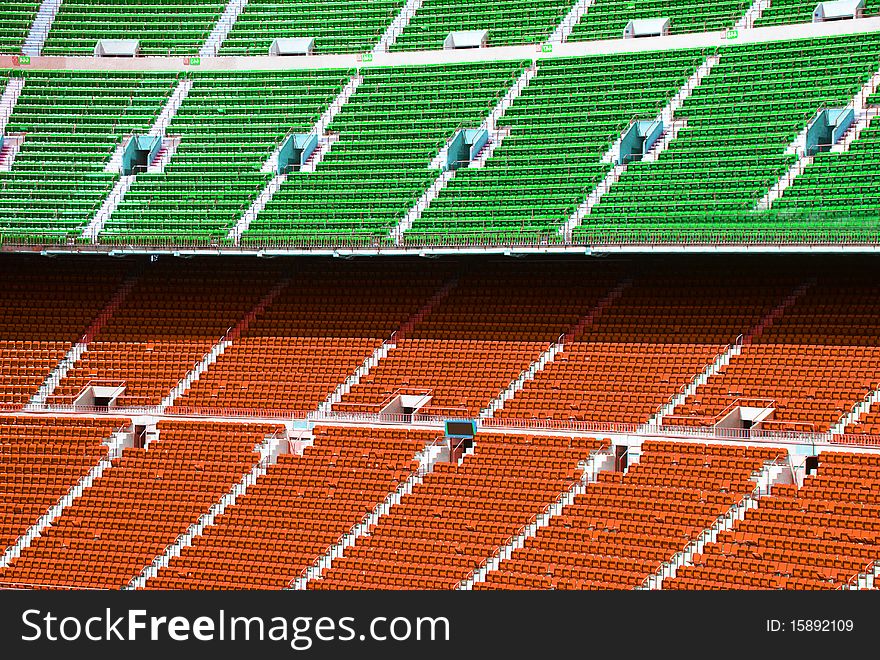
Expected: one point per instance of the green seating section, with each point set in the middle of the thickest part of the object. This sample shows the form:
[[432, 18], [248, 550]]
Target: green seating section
[[73, 122], [741, 120], [392, 127], [840, 188], [163, 28], [15, 23], [229, 125], [562, 124], [338, 26], [606, 19], [509, 22], [784, 12]]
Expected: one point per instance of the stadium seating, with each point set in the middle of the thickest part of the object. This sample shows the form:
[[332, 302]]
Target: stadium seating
[[397, 121], [73, 121], [664, 330], [43, 310], [169, 321], [293, 514], [317, 332], [461, 514], [227, 130], [606, 19], [815, 362], [140, 506], [740, 121], [626, 525], [491, 327], [551, 160], [337, 26], [40, 460], [162, 28], [818, 537], [509, 22], [784, 12], [16, 17]]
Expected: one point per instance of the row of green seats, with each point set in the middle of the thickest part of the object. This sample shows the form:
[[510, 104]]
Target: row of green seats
[[163, 28], [72, 124], [229, 125], [16, 18], [392, 127], [786, 12]]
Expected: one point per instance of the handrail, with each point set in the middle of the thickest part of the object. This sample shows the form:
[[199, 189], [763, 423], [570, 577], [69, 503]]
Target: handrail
[[871, 565]]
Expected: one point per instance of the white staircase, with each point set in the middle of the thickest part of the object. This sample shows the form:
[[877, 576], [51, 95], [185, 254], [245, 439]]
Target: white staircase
[[325, 142], [39, 32], [672, 127], [11, 146], [268, 455], [776, 313], [398, 25], [496, 137], [114, 199], [427, 458], [855, 415], [770, 474], [172, 105], [868, 579], [713, 369], [7, 102], [753, 13], [863, 116], [166, 152], [598, 461], [220, 347], [563, 30], [490, 123], [114, 449], [528, 374], [222, 28]]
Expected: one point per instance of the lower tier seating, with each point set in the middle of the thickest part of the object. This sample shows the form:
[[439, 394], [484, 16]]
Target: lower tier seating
[[140, 506], [298, 510], [41, 458], [626, 525], [461, 514], [820, 536]]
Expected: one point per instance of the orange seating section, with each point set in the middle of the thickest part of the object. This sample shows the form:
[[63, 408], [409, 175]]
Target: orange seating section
[[319, 330], [818, 537], [171, 318], [638, 353], [461, 514], [41, 459], [816, 361], [491, 327], [43, 310], [293, 514], [626, 525], [140, 506]]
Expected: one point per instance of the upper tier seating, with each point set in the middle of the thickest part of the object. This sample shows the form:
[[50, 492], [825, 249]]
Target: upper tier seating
[[397, 121], [44, 310], [228, 127], [626, 525], [606, 19], [321, 328], [551, 160], [818, 537], [461, 514], [337, 26], [740, 122], [297, 511], [40, 460], [169, 321], [784, 12], [509, 22], [814, 363], [16, 17], [163, 28], [72, 122], [140, 506]]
